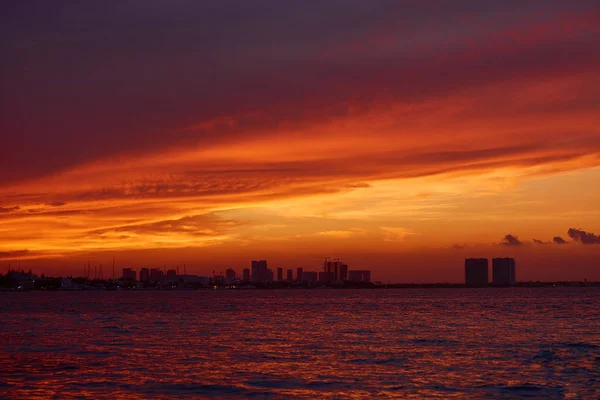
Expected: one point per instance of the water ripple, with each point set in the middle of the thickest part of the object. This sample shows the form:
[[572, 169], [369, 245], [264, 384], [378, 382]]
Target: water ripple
[[337, 344]]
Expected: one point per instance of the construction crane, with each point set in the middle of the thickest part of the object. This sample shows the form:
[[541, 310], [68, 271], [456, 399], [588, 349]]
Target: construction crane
[[326, 259]]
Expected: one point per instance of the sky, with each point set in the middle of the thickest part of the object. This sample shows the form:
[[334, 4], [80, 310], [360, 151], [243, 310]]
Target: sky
[[399, 136]]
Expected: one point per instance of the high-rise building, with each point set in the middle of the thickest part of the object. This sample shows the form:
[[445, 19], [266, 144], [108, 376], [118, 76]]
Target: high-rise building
[[229, 275], [359, 275], [156, 275], [299, 273], [260, 273], [503, 271], [246, 275], [332, 267], [144, 275], [309, 276], [328, 266], [279, 274], [343, 272], [290, 275], [129, 274], [337, 268], [326, 277], [476, 271], [172, 272]]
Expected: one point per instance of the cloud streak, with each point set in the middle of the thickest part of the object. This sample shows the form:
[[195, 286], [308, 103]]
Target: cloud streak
[[195, 226], [12, 255]]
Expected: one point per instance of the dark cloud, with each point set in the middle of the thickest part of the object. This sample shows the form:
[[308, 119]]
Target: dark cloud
[[511, 240], [537, 241], [9, 209], [56, 204], [559, 240], [583, 236], [269, 59], [8, 255]]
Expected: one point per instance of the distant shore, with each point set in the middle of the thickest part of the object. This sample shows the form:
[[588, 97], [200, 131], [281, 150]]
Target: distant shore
[[283, 286]]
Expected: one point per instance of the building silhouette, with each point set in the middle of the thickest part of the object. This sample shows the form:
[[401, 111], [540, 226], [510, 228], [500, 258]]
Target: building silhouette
[[334, 271], [359, 276], [290, 275], [279, 274], [144, 275], [229, 275], [246, 275], [156, 275], [503, 271], [327, 277], [299, 274], [330, 267], [260, 272], [309, 276], [129, 274], [343, 272], [476, 271]]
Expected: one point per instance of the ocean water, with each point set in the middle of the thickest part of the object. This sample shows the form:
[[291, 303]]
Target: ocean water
[[336, 344]]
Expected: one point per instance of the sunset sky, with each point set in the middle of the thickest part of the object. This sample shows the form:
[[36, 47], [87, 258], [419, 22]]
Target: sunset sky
[[400, 136]]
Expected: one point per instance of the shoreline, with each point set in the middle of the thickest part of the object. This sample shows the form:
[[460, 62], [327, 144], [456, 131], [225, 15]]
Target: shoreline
[[524, 285]]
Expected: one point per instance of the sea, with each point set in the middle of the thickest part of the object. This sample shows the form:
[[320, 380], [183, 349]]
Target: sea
[[488, 343]]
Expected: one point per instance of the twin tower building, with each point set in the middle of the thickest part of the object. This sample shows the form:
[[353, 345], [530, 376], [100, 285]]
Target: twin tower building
[[503, 272]]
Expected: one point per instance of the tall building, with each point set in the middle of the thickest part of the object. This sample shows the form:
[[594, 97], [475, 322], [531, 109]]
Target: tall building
[[326, 277], [279, 274], [156, 275], [334, 267], [246, 275], [476, 271], [229, 275], [338, 269], [329, 266], [359, 276], [290, 275], [343, 272], [129, 274], [260, 273], [309, 276], [503, 271], [144, 275], [299, 273]]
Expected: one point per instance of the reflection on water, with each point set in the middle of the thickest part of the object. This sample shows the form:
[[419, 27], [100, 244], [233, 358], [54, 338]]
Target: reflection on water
[[455, 343]]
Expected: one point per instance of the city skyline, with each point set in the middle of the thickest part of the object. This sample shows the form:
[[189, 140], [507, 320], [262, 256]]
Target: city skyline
[[401, 139], [453, 271], [476, 272], [476, 275]]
